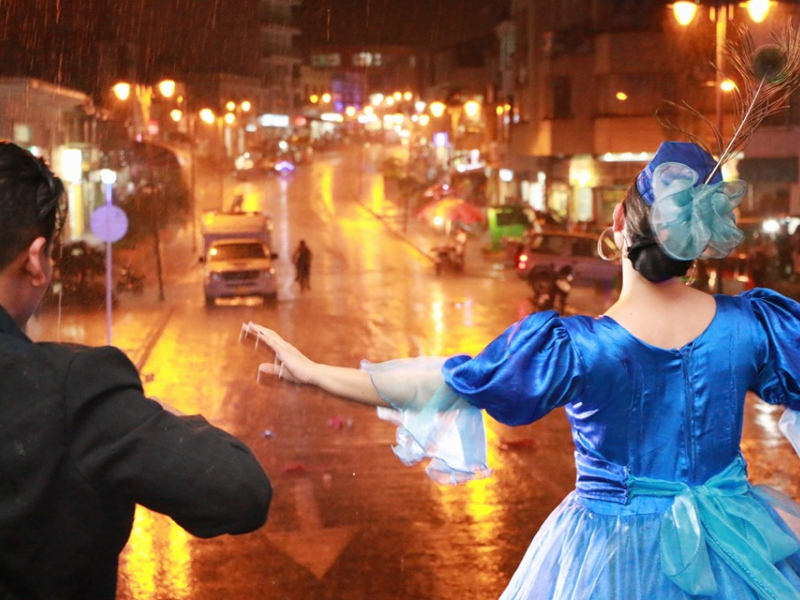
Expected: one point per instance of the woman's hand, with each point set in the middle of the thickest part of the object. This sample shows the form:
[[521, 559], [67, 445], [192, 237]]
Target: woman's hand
[[293, 365], [289, 364]]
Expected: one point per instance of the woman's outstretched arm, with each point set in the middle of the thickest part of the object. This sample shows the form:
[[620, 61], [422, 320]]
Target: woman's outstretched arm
[[293, 365]]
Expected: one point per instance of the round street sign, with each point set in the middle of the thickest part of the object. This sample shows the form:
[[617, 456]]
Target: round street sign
[[109, 223]]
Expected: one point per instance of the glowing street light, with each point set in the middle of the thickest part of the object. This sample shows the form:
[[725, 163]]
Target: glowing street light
[[472, 108], [122, 90], [437, 108], [207, 116], [684, 12], [758, 9], [246, 106], [166, 87]]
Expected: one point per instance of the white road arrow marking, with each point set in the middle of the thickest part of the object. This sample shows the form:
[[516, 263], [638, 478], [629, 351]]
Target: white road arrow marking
[[314, 547]]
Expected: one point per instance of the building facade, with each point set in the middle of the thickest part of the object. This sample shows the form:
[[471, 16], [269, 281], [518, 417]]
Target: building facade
[[593, 89]]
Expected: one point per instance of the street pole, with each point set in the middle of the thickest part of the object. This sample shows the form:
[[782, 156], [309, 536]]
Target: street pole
[[109, 275], [719, 62], [221, 164], [193, 178]]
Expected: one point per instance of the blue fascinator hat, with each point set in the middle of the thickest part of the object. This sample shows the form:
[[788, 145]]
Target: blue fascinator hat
[[691, 207], [685, 153]]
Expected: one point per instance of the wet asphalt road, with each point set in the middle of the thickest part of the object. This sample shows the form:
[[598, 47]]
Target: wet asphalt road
[[348, 521]]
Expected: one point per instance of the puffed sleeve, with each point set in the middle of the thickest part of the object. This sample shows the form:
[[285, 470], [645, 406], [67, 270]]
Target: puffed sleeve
[[525, 373], [778, 379], [433, 422]]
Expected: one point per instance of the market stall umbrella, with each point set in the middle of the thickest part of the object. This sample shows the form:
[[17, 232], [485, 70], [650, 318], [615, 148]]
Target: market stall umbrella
[[456, 210]]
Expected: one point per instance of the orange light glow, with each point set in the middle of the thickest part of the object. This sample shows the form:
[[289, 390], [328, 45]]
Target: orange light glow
[[166, 88], [122, 90], [207, 115], [757, 9], [437, 109], [622, 96], [684, 12]]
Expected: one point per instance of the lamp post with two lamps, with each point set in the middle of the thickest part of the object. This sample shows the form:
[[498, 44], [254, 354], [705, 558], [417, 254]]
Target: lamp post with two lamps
[[143, 97], [720, 12]]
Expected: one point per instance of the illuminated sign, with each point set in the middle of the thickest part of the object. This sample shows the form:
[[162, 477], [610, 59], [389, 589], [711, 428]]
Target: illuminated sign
[[269, 120]]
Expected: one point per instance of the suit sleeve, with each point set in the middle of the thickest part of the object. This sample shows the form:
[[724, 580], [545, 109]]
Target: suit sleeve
[[126, 445]]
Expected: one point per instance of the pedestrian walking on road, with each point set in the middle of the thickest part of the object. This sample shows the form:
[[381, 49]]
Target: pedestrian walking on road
[[654, 390], [302, 265], [81, 444]]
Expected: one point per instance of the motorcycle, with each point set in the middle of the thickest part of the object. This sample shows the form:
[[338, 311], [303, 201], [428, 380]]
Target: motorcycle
[[550, 288], [447, 257], [129, 280]]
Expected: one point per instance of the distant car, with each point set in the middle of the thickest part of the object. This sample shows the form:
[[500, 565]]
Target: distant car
[[558, 249], [239, 267], [79, 275]]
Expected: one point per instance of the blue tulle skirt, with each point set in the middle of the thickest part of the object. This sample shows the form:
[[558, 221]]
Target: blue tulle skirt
[[595, 549], [581, 554]]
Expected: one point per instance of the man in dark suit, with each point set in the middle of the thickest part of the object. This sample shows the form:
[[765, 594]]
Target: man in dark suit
[[80, 444]]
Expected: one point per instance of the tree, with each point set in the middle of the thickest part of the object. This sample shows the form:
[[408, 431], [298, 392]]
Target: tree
[[159, 198]]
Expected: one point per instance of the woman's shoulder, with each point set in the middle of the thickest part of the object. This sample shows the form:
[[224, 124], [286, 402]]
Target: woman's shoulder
[[767, 306]]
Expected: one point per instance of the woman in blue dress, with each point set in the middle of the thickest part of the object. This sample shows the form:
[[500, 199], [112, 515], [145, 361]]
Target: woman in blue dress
[[654, 390]]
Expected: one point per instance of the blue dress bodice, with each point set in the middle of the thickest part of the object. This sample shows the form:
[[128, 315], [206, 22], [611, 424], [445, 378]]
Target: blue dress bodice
[[668, 414]]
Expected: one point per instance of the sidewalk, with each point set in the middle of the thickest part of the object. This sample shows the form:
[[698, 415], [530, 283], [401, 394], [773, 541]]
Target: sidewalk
[[478, 262]]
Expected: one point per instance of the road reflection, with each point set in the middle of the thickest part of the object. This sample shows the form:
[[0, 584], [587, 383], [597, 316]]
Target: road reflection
[[157, 562]]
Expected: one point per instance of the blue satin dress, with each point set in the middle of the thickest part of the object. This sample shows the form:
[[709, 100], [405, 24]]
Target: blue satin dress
[[662, 507]]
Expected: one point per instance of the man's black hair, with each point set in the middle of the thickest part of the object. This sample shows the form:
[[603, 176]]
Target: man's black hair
[[32, 202]]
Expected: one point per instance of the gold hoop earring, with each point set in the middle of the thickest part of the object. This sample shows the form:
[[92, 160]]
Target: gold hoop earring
[[692, 277], [601, 252]]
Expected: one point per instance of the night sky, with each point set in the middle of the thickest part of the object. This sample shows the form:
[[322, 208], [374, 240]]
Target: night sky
[[425, 23], [67, 41]]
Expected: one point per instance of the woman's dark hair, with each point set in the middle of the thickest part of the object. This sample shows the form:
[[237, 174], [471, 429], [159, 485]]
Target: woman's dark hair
[[31, 202], [644, 252]]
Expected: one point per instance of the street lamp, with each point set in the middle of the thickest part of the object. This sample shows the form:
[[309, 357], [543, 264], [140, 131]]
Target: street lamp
[[143, 98], [686, 11]]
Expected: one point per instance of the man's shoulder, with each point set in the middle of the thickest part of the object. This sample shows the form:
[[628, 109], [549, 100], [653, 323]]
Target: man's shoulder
[[57, 355]]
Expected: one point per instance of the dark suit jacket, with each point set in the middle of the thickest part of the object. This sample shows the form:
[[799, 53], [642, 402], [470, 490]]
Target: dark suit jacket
[[80, 445]]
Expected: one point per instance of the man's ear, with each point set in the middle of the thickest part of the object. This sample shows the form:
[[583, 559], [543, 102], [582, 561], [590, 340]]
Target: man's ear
[[36, 263]]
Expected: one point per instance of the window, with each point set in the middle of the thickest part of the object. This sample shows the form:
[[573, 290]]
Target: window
[[561, 88]]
